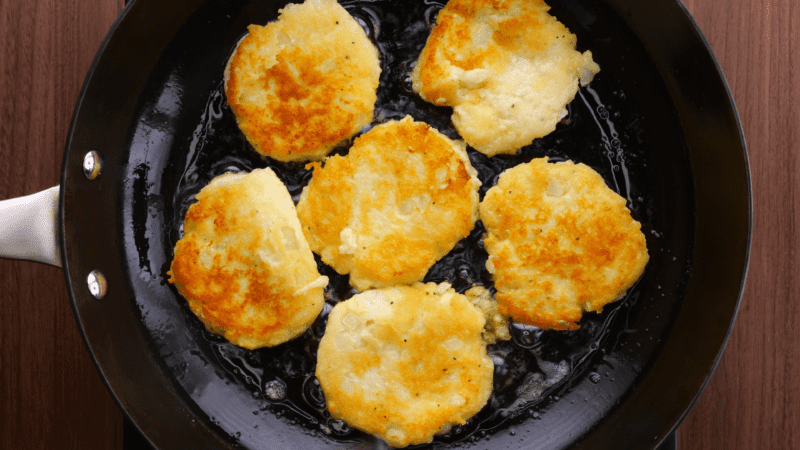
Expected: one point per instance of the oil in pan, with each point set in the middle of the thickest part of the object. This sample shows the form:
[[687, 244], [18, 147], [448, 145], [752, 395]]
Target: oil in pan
[[248, 393]]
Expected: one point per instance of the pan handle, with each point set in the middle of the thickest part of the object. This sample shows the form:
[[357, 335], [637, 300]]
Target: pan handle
[[29, 227]]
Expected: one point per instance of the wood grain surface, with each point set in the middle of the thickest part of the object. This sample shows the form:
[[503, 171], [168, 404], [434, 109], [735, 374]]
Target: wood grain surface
[[753, 399], [52, 397]]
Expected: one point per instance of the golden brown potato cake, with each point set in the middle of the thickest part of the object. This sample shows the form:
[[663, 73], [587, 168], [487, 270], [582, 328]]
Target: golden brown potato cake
[[560, 242], [404, 363], [302, 84], [507, 67], [243, 264], [398, 202]]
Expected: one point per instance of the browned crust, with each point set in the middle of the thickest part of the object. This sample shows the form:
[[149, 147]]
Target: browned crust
[[451, 39], [407, 347], [305, 107], [550, 260], [508, 69], [219, 268], [363, 192]]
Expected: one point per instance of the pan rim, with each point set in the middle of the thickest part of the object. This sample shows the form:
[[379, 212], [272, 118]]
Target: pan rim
[[73, 289]]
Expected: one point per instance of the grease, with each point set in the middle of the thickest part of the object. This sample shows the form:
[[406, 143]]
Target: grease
[[529, 367]]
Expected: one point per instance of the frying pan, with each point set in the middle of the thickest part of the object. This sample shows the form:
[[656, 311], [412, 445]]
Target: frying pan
[[658, 123]]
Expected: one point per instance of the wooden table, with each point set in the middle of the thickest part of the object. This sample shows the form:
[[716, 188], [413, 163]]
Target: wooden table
[[52, 397]]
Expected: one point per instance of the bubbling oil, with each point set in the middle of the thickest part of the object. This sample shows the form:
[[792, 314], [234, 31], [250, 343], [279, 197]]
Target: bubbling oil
[[529, 369]]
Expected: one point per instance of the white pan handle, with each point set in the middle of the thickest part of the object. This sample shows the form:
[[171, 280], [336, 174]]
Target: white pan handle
[[29, 227]]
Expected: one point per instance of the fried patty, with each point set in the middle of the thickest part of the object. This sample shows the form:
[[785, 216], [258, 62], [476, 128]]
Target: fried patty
[[404, 363], [302, 84], [243, 264], [507, 67], [398, 202], [560, 242]]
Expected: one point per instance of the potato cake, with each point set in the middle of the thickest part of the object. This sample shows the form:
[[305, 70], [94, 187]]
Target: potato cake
[[404, 363], [398, 202], [302, 84], [507, 67], [560, 242], [243, 264]]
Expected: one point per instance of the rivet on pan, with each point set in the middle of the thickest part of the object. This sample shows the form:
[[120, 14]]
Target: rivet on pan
[[92, 165], [97, 284]]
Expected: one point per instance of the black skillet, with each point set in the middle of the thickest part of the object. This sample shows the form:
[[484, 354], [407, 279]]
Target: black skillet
[[658, 123]]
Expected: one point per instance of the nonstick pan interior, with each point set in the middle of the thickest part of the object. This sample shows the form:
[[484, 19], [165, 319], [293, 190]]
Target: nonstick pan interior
[[157, 115]]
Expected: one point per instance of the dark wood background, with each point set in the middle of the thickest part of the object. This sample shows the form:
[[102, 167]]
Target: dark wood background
[[52, 397]]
